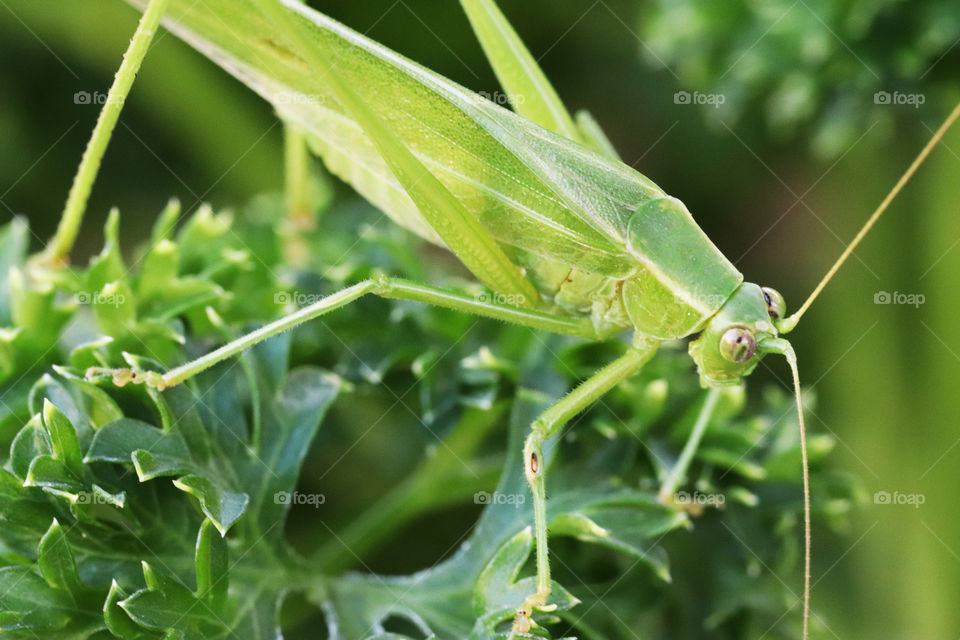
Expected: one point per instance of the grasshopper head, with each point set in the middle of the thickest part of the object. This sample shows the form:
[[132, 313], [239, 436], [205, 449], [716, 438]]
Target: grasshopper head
[[727, 349]]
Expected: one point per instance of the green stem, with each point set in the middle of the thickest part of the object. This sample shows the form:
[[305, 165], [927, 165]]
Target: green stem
[[679, 471], [426, 492], [297, 168], [61, 244], [439, 480]]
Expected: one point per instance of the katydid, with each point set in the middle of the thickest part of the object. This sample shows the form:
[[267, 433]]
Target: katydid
[[533, 202]]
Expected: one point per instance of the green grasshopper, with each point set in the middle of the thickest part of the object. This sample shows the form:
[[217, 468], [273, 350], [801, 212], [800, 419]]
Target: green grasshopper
[[534, 203]]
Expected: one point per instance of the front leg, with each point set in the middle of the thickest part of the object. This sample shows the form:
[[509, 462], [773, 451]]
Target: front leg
[[548, 424], [676, 475]]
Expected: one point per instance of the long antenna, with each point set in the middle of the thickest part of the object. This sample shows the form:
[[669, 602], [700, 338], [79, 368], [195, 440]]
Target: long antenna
[[784, 348], [789, 323]]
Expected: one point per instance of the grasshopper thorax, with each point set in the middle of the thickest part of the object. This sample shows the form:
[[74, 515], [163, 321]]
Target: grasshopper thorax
[[728, 347]]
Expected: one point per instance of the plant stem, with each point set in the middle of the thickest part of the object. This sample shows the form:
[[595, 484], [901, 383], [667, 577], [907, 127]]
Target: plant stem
[[441, 479], [60, 246], [297, 161], [300, 199], [425, 492]]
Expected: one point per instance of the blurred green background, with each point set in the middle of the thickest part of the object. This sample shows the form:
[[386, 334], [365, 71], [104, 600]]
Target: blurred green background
[[780, 176]]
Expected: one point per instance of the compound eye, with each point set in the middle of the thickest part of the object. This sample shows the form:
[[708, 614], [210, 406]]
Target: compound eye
[[738, 344], [776, 306]]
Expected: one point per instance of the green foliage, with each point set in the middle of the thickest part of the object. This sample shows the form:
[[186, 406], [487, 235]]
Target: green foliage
[[136, 514], [811, 67]]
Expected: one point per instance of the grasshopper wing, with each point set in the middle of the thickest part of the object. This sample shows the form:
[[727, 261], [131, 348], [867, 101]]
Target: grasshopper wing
[[531, 189]]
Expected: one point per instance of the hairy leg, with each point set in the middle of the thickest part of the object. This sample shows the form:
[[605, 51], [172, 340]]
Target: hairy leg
[[384, 287], [549, 423]]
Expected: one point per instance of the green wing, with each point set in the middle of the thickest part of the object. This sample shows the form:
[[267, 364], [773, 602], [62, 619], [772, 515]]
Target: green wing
[[530, 189]]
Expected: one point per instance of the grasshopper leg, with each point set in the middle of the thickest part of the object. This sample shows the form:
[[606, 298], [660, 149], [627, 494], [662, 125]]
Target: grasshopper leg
[[679, 471], [548, 424], [383, 286]]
